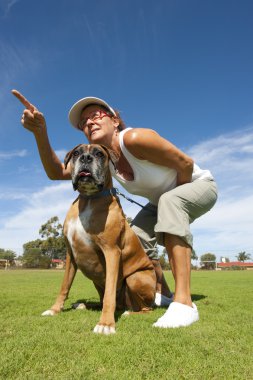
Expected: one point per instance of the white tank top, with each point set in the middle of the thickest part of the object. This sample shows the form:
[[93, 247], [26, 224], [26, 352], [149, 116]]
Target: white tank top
[[150, 180]]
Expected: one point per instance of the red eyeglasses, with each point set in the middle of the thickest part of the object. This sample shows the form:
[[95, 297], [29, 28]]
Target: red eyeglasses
[[94, 115]]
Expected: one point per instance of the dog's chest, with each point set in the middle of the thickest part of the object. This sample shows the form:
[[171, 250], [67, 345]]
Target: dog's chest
[[77, 236], [87, 254]]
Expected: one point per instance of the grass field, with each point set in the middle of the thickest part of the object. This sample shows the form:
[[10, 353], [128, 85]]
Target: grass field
[[219, 346]]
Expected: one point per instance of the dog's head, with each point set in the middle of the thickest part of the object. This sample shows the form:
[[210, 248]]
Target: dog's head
[[90, 168]]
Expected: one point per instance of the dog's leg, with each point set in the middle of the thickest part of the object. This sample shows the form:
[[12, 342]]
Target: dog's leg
[[101, 292], [141, 290], [106, 323], [69, 276]]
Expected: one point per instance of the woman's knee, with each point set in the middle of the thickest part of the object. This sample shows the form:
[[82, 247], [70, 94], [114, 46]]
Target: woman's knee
[[169, 199]]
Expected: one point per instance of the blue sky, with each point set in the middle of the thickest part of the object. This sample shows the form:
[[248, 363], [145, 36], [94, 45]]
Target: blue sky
[[183, 68]]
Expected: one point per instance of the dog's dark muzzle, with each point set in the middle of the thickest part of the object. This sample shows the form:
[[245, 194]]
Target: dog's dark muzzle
[[84, 175], [88, 174]]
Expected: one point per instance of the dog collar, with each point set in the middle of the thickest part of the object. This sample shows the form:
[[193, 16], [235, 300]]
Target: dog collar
[[101, 194]]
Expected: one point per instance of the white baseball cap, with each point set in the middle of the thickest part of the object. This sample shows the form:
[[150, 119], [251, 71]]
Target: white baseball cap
[[76, 109]]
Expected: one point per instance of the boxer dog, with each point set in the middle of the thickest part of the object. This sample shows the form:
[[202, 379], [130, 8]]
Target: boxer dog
[[101, 243]]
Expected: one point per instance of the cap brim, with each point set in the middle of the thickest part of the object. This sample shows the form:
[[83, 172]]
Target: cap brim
[[76, 109]]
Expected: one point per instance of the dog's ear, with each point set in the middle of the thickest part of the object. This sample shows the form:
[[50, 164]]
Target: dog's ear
[[113, 157], [69, 155]]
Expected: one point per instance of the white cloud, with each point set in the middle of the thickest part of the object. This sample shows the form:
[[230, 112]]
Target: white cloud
[[61, 153], [13, 154], [227, 229], [229, 155], [37, 209], [12, 196]]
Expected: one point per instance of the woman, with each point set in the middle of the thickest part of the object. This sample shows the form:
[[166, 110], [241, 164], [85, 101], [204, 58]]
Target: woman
[[150, 166]]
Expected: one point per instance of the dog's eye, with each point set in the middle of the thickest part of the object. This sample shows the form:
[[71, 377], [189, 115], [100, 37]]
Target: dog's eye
[[99, 154], [76, 153]]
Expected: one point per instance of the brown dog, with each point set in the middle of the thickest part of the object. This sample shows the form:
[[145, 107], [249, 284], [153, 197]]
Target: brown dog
[[101, 243]]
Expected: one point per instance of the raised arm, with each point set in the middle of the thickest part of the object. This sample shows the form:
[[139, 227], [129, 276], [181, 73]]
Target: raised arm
[[146, 144], [34, 121]]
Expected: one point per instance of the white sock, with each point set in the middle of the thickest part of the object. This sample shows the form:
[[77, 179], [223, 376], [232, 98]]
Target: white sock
[[161, 300], [79, 306]]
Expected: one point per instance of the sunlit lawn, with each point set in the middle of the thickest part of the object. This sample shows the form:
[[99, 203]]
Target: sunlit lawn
[[219, 346]]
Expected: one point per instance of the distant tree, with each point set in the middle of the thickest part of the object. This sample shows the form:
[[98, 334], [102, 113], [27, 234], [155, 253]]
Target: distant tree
[[193, 255], [54, 247], [243, 256], [7, 254], [34, 258], [32, 245], [52, 243], [164, 260], [52, 228], [204, 261]]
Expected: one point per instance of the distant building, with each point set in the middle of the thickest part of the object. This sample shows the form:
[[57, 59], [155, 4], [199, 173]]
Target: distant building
[[4, 263], [232, 264], [18, 263], [58, 264]]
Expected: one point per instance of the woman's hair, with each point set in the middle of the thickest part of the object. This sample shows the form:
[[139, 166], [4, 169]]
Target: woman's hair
[[122, 125]]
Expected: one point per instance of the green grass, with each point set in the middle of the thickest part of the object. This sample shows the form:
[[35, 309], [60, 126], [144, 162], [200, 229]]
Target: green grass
[[219, 346]]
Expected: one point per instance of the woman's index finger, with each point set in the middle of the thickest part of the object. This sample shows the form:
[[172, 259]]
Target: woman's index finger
[[23, 100]]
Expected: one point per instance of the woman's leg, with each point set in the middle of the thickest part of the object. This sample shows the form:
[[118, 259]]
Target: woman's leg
[[180, 258], [176, 210], [143, 225], [161, 284]]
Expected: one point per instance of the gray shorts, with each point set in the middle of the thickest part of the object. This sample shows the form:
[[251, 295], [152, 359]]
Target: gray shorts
[[176, 209]]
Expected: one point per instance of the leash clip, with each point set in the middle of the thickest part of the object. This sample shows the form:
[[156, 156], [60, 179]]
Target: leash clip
[[113, 191]]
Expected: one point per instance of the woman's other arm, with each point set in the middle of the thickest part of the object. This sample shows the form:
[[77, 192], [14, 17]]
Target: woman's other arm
[[146, 144]]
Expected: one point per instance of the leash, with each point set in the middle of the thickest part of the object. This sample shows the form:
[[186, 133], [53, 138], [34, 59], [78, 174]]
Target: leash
[[114, 191], [132, 201]]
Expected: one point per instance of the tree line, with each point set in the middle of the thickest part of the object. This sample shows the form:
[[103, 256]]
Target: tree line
[[40, 252], [51, 245]]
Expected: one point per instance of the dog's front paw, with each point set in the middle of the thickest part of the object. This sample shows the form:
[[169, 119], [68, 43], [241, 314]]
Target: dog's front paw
[[102, 329], [49, 313]]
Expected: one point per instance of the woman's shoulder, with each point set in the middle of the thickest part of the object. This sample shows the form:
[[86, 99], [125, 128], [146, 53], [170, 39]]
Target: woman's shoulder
[[137, 140], [135, 136]]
